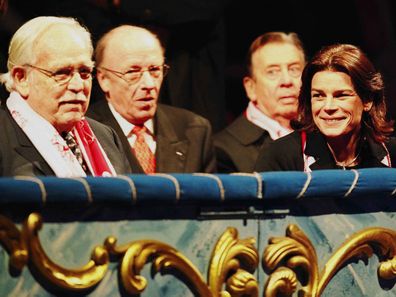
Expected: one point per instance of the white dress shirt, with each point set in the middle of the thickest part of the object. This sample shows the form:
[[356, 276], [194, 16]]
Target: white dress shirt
[[127, 127], [257, 117]]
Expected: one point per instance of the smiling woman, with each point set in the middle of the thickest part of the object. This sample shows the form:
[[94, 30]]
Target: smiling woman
[[342, 117]]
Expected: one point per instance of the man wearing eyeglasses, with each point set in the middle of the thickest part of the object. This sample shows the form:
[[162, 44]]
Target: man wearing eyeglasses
[[272, 84], [157, 137], [43, 128]]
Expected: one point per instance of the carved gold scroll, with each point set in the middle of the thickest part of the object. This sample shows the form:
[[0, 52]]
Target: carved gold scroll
[[290, 261], [230, 258]]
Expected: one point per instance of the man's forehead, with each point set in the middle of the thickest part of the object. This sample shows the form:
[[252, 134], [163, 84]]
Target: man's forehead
[[136, 57], [62, 45], [278, 53]]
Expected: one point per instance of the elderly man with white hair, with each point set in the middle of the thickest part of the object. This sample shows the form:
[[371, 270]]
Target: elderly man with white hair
[[43, 127]]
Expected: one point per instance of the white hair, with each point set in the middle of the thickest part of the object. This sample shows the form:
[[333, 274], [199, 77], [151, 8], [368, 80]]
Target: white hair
[[22, 44]]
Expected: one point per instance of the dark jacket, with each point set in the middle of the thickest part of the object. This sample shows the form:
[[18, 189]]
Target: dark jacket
[[285, 154], [238, 145], [184, 139], [18, 156]]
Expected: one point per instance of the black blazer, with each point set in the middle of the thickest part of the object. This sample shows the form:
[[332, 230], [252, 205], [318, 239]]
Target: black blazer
[[184, 139], [238, 145], [286, 154], [18, 156]]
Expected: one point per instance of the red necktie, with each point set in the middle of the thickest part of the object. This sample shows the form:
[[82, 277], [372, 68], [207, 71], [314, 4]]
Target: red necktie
[[142, 151]]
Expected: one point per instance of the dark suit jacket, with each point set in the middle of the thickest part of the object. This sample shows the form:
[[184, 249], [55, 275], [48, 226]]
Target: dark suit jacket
[[184, 139], [285, 154], [18, 156], [238, 145]]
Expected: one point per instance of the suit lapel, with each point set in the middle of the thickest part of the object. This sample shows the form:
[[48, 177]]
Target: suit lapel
[[171, 153], [101, 112], [26, 150], [246, 132]]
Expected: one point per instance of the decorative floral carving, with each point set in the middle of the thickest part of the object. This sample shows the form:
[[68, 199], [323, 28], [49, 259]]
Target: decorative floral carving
[[165, 259], [292, 259], [238, 258]]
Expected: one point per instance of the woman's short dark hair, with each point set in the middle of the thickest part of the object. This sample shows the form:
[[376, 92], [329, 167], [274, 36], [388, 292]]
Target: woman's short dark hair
[[366, 80]]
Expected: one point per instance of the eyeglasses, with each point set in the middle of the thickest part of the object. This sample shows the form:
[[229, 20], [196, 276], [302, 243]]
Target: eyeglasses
[[134, 75], [64, 75], [276, 73]]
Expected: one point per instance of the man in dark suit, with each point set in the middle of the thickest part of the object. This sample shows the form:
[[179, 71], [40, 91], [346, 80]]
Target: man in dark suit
[[275, 63], [156, 137], [44, 131]]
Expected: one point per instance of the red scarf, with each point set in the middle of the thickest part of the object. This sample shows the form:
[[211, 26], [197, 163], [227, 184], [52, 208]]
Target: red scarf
[[94, 154]]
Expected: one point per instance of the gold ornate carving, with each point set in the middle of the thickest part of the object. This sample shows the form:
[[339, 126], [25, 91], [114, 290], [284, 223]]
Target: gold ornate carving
[[73, 279], [290, 261], [228, 258], [292, 258], [165, 259], [233, 261], [26, 245], [11, 239]]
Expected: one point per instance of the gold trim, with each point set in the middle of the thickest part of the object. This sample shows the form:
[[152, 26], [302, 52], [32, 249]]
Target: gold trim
[[292, 258], [72, 279], [361, 246], [11, 239], [165, 259], [232, 262], [285, 256], [290, 261]]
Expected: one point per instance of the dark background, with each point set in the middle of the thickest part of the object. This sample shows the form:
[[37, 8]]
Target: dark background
[[219, 32]]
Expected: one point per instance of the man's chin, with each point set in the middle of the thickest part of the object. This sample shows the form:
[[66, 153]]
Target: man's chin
[[141, 116], [290, 114], [68, 123]]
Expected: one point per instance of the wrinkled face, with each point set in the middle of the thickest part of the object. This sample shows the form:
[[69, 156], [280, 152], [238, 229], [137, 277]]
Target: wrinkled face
[[60, 51], [137, 55], [336, 107], [275, 84]]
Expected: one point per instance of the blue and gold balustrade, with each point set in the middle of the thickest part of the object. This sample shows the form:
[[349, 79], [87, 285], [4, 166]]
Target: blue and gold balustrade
[[325, 233]]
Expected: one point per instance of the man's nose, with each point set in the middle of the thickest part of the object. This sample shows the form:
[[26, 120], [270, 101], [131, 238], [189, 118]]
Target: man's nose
[[285, 77], [147, 81], [76, 83]]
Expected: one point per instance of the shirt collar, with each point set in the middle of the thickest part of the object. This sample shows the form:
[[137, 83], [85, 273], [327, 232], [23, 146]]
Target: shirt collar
[[257, 117], [126, 126]]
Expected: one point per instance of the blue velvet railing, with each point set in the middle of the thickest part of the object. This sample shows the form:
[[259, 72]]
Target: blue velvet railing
[[200, 188], [230, 227]]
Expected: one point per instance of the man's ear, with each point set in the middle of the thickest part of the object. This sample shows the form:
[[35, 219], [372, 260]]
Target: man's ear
[[103, 81], [19, 75], [250, 88]]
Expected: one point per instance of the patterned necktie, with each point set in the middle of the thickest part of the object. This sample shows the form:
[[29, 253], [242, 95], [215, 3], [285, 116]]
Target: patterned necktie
[[142, 151], [74, 148]]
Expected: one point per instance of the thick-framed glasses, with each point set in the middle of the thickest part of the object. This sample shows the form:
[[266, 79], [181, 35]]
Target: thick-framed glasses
[[64, 75], [132, 76]]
